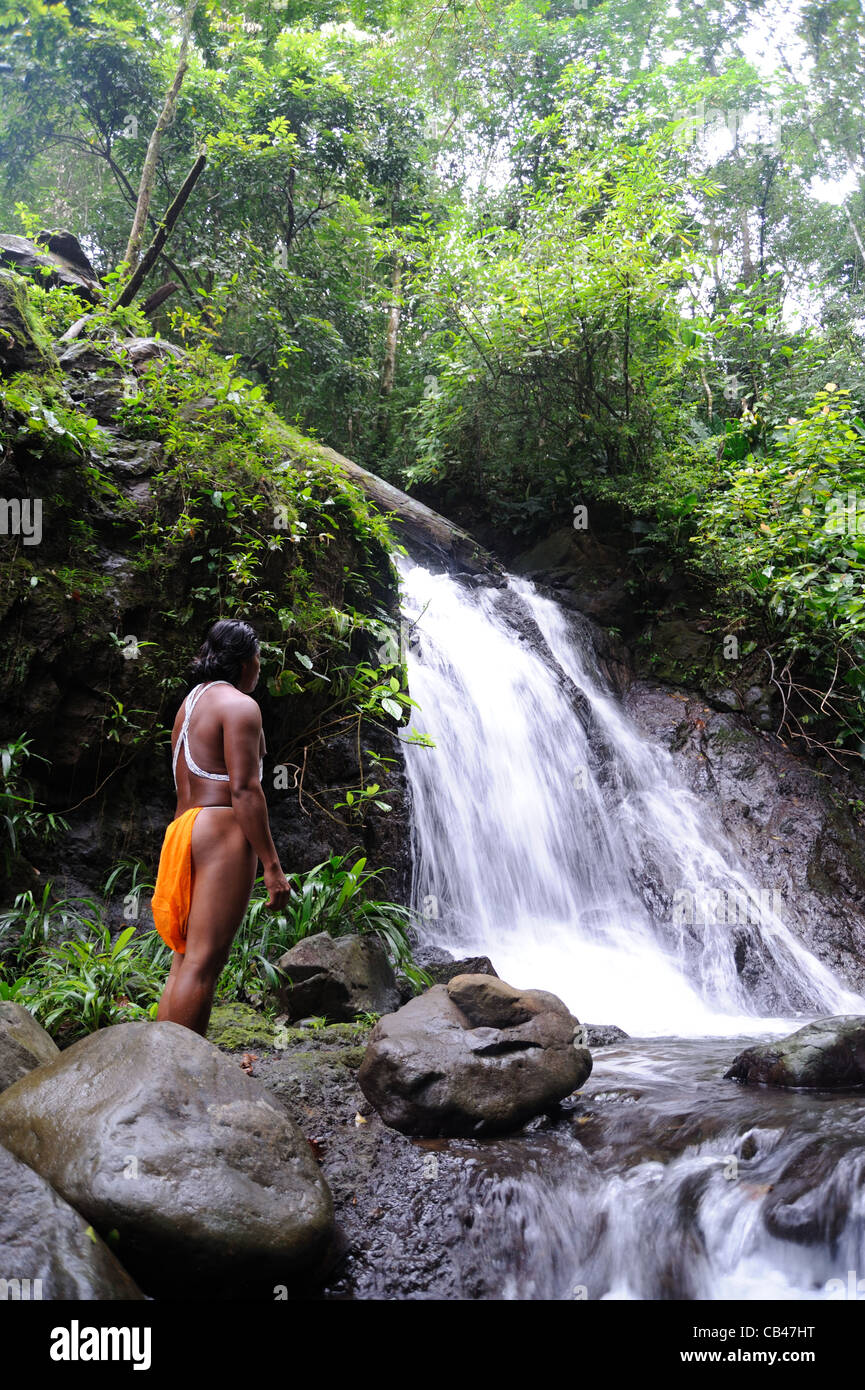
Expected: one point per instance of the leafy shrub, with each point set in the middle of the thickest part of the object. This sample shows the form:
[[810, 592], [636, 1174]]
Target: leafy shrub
[[333, 897], [84, 985], [24, 821]]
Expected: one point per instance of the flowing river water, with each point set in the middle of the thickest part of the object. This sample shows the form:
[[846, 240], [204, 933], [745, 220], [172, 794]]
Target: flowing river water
[[549, 834]]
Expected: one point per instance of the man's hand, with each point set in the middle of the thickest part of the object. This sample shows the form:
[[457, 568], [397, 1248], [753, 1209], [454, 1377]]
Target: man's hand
[[278, 888]]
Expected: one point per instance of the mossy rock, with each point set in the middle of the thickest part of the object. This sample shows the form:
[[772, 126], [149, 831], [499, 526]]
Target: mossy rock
[[234, 1027], [25, 345], [239, 1027], [331, 1035], [350, 1057], [679, 652]]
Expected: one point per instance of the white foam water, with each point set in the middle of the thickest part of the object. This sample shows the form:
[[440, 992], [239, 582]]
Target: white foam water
[[549, 834]]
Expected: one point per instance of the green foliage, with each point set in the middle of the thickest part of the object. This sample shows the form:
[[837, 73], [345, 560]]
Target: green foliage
[[558, 354], [25, 823], [93, 983], [32, 923], [334, 896], [787, 528], [36, 412], [58, 960]]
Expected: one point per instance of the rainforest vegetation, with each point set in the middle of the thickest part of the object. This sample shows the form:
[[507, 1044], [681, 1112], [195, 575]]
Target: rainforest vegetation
[[528, 256], [534, 254]]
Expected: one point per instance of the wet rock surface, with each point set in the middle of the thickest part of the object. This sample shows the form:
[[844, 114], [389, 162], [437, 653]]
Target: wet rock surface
[[441, 967], [43, 1239], [475, 1056], [828, 1054], [24, 1044], [603, 1034], [149, 1130], [581, 571], [629, 1188], [338, 977], [797, 825]]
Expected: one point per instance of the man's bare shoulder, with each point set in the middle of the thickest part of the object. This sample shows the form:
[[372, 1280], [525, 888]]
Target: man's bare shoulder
[[235, 705]]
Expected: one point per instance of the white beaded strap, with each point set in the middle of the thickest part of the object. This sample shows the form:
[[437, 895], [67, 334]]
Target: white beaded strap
[[191, 701]]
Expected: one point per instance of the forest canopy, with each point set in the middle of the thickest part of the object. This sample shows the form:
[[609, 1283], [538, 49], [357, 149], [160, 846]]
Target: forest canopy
[[517, 256]]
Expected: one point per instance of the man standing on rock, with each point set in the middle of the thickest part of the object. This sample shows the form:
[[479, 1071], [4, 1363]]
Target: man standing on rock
[[220, 830]]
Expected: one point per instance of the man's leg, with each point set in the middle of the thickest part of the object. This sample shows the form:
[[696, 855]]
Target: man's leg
[[224, 864], [164, 1010]]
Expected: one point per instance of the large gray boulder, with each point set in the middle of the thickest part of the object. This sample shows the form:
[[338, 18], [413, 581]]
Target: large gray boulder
[[24, 1044], [46, 1248], [827, 1055], [147, 1129], [338, 977], [474, 1056]]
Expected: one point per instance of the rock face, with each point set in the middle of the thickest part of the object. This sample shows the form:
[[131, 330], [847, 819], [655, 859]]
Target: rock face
[[23, 346], [603, 1034], [475, 1056], [828, 1055], [339, 977], [43, 1239], [24, 1044], [58, 253], [584, 573], [148, 1130], [795, 824], [442, 967]]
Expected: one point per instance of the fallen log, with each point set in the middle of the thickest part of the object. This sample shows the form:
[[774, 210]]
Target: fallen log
[[426, 534]]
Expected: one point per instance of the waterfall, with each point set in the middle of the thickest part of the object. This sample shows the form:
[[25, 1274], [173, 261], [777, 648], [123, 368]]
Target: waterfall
[[550, 835]]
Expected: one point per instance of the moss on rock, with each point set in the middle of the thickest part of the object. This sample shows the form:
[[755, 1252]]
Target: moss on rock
[[239, 1026]]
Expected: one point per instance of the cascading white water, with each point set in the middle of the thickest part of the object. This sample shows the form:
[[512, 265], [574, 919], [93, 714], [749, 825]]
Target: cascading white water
[[551, 836]]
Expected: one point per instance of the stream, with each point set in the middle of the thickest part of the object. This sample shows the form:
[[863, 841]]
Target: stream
[[550, 835]]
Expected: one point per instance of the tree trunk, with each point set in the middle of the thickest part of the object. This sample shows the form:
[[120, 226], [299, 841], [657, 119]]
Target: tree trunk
[[166, 116], [427, 534], [389, 370], [163, 231]]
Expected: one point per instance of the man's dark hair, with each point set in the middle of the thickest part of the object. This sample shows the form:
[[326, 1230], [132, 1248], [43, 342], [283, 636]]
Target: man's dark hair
[[228, 644]]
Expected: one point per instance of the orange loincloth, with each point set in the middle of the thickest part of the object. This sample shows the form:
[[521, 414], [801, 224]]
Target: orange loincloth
[[172, 896]]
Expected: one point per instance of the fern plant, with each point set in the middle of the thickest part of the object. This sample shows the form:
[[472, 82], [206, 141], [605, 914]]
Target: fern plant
[[90, 984]]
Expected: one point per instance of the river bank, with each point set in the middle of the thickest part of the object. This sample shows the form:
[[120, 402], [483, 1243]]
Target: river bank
[[658, 1180]]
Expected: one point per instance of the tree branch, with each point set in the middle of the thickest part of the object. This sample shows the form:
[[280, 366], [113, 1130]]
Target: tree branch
[[133, 285]]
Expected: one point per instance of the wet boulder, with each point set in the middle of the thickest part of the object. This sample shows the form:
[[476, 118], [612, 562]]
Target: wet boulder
[[149, 1131], [474, 1056], [24, 1044], [603, 1034], [338, 977], [827, 1055], [46, 1248], [441, 966]]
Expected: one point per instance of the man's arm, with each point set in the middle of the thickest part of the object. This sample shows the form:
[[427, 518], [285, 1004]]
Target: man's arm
[[241, 737]]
